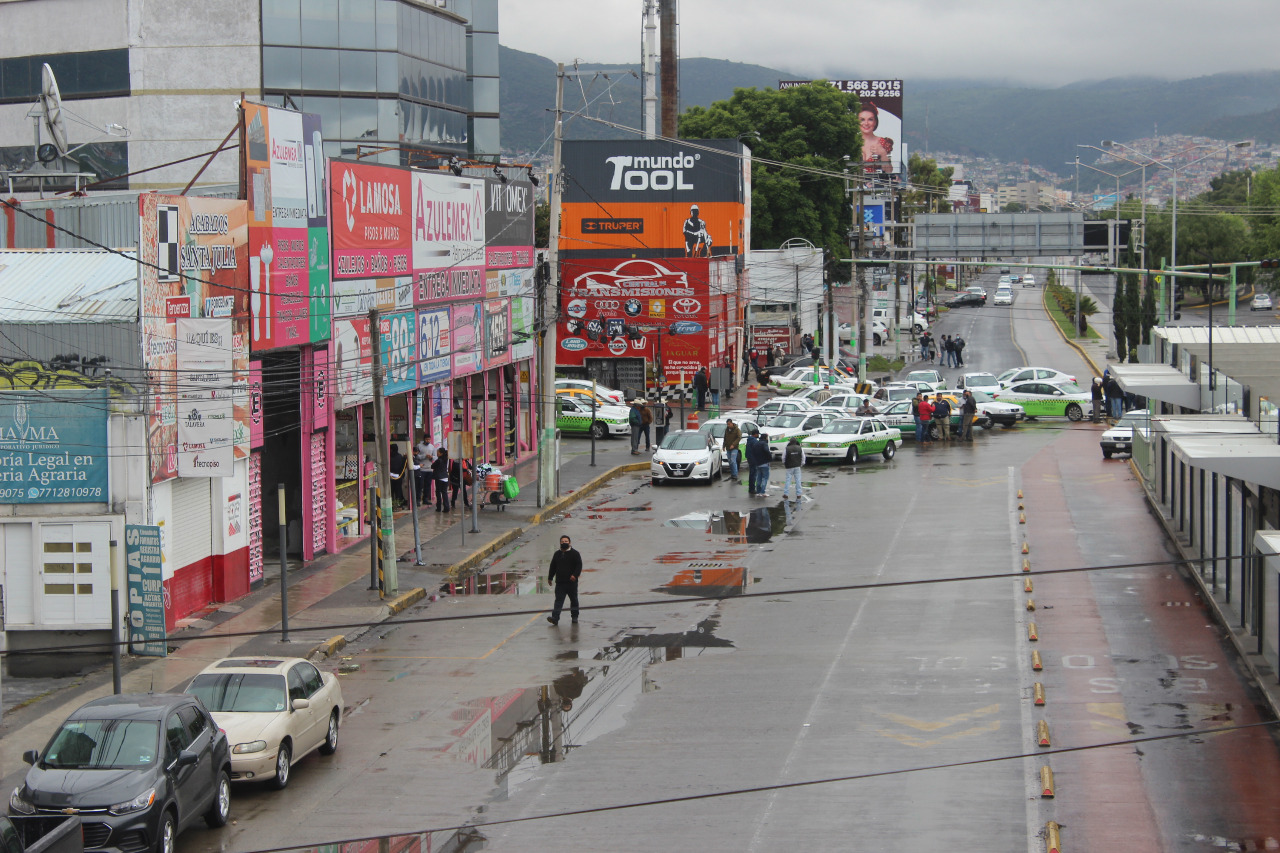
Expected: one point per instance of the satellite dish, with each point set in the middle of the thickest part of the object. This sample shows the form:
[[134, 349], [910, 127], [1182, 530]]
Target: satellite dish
[[51, 112]]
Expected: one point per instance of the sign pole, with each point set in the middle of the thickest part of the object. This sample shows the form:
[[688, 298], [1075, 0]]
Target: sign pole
[[380, 429], [115, 619], [284, 565]]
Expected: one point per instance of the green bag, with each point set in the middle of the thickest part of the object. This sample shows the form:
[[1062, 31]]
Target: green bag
[[510, 488]]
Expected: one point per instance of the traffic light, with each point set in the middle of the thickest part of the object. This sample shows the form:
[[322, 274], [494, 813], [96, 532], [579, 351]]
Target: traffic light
[[1270, 263]]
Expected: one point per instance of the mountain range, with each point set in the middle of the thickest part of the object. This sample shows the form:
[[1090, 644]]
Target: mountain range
[[1000, 121]]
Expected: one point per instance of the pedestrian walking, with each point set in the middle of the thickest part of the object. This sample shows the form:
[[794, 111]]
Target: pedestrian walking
[[646, 424], [957, 344], [424, 453], [399, 469], [926, 420], [732, 438], [792, 462], [565, 569], [933, 349], [700, 389], [942, 416], [440, 473], [924, 346], [1096, 395], [968, 411], [748, 363], [636, 421], [665, 416], [759, 458]]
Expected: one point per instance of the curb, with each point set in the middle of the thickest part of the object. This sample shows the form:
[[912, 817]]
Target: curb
[[562, 503], [1044, 294], [476, 556]]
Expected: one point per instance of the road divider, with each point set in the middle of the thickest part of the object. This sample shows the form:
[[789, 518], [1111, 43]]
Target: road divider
[[1046, 782], [1032, 635], [1036, 663], [1052, 837], [1042, 733], [1037, 693]]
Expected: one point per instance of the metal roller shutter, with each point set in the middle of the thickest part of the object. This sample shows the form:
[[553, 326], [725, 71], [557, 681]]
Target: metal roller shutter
[[191, 539]]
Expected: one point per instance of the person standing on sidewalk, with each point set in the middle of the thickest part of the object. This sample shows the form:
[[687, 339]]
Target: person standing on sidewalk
[[1115, 397], [665, 416], [1095, 394], [424, 453], [636, 421], [399, 473], [792, 461], [440, 473], [968, 411], [758, 457], [566, 568], [732, 438], [646, 422], [700, 389]]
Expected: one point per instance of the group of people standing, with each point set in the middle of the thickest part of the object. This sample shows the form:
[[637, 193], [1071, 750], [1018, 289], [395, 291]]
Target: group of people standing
[[641, 419], [759, 460], [928, 413], [949, 347], [432, 469], [1107, 396]]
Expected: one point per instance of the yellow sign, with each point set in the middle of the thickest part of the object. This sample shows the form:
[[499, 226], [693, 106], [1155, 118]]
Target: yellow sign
[[1159, 279]]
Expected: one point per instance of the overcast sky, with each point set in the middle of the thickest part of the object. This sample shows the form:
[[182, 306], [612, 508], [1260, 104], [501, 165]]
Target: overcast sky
[[1030, 42]]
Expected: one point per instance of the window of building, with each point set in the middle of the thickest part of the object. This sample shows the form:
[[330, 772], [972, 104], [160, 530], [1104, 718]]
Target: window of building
[[282, 68], [320, 23], [358, 71], [357, 23], [89, 74], [281, 22], [319, 70]]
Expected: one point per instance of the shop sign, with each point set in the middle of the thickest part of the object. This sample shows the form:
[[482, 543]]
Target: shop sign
[[371, 206], [434, 346], [53, 449], [145, 580], [466, 323], [206, 417], [399, 352]]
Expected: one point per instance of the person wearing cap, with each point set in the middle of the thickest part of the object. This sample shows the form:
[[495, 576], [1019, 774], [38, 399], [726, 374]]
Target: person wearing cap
[[732, 438], [695, 233], [646, 422], [635, 419]]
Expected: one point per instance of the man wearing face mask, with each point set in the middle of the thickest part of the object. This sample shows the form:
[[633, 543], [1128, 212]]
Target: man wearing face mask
[[566, 567]]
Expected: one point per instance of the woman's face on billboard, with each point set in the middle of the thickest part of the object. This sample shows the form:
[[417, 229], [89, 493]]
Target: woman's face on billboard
[[868, 121]]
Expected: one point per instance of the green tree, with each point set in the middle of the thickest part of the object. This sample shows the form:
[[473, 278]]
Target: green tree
[[1014, 207], [1148, 313], [542, 225], [812, 128], [927, 185]]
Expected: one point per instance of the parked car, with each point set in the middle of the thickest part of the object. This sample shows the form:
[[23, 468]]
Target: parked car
[[996, 412], [964, 300], [685, 456], [716, 426], [879, 332], [1119, 439], [853, 439], [574, 416], [932, 378], [781, 429], [894, 392], [844, 401], [979, 381], [1261, 302], [1046, 399], [813, 390], [275, 711], [1026, 374], [799, 378], [139, 768], [604, 392]]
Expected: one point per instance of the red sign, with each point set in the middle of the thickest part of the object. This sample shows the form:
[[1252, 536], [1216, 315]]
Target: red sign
[[370, 209], [764, 338], [177, 306]]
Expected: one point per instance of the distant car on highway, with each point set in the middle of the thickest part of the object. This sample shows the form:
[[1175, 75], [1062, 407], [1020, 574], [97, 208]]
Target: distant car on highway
[[964, 300], [1261, 302], [977, 290], [1028, 280], [1004, 296]]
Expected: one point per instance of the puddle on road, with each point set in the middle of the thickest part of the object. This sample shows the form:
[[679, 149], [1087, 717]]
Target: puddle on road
[[711, 580], [493, 583], [753, 526], [516, 732]]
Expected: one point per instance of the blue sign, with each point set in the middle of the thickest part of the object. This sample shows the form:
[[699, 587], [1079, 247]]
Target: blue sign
[[434, 346], [399, 352], [53, 447], [146, 590], [873, 218], [573, 344], [684, 327]]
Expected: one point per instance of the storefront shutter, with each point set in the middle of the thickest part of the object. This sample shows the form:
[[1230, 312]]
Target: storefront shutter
[[191, 538]]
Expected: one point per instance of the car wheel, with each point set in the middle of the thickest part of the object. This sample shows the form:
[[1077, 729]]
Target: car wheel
[[875, 339], [330, 745], [655, 482], [1074, 412], [1106, 454], [283, 756], [852, 456], [889, 450], [917, 328], [598, 430], [167, 834], [220, 808]]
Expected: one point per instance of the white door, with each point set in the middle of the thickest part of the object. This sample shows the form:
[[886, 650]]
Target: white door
[[19, 574], [74, 585]]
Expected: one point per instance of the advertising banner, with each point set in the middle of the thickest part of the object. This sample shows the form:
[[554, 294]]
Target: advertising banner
[[200, 246], [145, 582], [653, 199], [53, 448], [352, 363], [358, 296], [764, 338], [371, 207], [508, 224], [448, 221], [466, 325], [319, 396], [497, 332], [435, 345], [317, 172], [880, 117], [399, 352], [206, 419], [523, 321], [281, 182], [659, 310], [255, 404]]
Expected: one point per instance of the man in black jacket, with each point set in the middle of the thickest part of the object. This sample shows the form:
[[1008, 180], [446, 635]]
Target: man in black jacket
[[566, 567]]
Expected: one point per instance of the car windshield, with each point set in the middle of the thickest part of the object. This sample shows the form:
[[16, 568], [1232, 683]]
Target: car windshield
[[1007, 374], [686, 441], [1133, 419], [1067, 387], [103, 745], [921, 376], [979, 397], [787, 421], [842, 427], [980, 379], [254, 692], [714, 430]]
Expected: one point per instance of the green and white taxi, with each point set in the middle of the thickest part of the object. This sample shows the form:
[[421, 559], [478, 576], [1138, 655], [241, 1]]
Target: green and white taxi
[[573, 417], [783, 428], [1047, 399], [799, 378], [852, 439]]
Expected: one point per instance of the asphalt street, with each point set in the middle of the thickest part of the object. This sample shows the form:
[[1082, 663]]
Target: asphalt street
[[734, 683]]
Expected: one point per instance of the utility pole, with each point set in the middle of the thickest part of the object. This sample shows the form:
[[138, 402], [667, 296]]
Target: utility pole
[[864, 314], [547, 490], [391, 581]]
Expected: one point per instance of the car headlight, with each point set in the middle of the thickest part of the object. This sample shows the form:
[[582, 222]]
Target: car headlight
[[251, 746], [137, 804], [18, 804]]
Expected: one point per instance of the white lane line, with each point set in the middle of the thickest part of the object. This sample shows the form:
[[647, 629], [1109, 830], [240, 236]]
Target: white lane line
[[807, 726], [1022, 651]]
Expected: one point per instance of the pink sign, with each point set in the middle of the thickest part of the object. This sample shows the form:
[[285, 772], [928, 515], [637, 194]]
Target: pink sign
[[255, 404]]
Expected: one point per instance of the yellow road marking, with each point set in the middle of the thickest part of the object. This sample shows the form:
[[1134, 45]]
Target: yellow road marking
[[933, 726], [909, 740], [1114, 710], [511, 635]]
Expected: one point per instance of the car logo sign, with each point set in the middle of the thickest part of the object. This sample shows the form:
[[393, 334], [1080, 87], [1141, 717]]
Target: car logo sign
[[686, 306], [573, 344], [618, 346], [685, 327], [632, 307], [577, 308], [606, 305]]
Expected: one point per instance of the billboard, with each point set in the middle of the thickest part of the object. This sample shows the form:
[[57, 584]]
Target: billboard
[[448, 223], [466, 324], [508, 224], [53, 447], [880, 118], [654, 199], [143, 556], [192, 256], [206, 420], [284, 175], [434, 346], [399, 351], [352, 366], [370, 231]]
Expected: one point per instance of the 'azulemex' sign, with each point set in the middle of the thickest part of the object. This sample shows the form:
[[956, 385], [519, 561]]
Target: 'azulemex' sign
[[53, 447]]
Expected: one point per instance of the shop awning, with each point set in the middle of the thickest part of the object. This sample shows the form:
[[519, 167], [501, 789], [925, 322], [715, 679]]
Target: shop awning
[[1158, 382], [1251, 458]]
